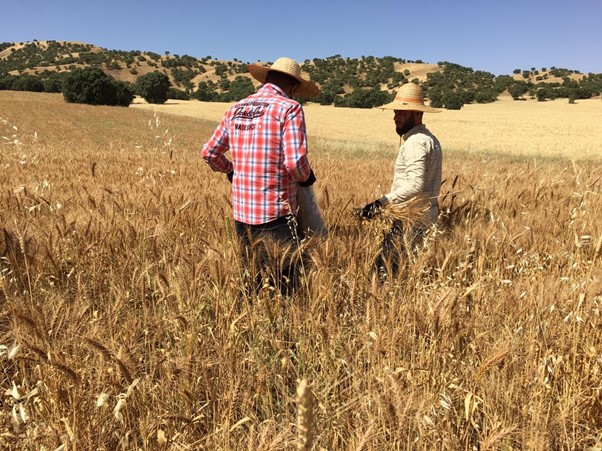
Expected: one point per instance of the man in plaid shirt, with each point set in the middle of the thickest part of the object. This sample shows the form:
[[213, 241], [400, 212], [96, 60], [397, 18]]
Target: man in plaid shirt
[[265, 134]]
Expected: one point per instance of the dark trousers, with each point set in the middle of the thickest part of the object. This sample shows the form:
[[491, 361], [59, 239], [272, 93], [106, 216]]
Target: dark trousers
[[395, 248], [269, 253]]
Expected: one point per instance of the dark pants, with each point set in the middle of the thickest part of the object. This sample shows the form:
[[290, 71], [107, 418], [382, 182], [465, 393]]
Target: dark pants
[[269, 253], [395, 248]]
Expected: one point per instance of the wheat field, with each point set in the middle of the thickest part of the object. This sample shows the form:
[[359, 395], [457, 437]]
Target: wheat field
[[553, 129], [122, 325]]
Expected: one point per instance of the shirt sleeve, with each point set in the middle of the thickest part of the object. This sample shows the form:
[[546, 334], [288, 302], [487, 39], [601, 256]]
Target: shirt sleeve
[[411, 177], [294, 142], [214, 150]]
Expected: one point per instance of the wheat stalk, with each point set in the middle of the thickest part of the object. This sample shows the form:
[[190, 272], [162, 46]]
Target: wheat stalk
[[305, 417]]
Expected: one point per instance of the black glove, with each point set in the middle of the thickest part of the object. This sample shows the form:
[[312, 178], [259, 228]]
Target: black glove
[[230, 175], [370, 210], [310, 180]]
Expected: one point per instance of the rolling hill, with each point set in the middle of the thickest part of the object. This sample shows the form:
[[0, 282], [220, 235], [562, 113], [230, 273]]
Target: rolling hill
[[343, 81]]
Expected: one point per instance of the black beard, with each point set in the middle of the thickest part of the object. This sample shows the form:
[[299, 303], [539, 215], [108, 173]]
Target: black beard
[[406, 126], [402, 130]]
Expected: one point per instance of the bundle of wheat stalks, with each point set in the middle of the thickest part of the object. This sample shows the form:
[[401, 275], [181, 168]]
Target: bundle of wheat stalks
[[410, 213]]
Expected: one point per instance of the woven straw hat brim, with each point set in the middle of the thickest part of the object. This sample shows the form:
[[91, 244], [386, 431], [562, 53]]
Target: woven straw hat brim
[[396, 105], [305, 90], [409, 98]]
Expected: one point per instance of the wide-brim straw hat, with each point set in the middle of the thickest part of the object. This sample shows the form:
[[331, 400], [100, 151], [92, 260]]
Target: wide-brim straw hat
[[288, 66], [409, 97]]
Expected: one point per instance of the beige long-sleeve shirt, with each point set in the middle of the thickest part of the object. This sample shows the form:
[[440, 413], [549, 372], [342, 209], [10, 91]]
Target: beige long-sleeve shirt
[[417, 170]]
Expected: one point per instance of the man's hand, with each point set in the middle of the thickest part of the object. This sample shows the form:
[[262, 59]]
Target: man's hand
[[310, 180], [370, 210], [230, 175]]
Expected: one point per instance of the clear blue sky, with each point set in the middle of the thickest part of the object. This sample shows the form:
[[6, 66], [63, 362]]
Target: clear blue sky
[[497, 36]]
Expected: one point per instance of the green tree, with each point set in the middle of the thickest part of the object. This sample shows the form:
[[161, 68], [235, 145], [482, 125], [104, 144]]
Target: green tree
[[542, 94], [221, 69], [224, 84], [435, 98], [92, 86], [205, 92], [153, 87], [518, 89], [326, 96], [486, 95], [469, 96], [365, 98], [124, 93], [53, 81], [452, 100], [27, 83], [178, 94], [240, 88], [6, 82]]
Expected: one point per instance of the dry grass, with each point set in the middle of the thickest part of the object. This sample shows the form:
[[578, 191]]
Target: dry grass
[[121, 325]]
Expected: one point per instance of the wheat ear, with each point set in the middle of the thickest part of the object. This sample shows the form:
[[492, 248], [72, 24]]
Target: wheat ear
[[305, 416]]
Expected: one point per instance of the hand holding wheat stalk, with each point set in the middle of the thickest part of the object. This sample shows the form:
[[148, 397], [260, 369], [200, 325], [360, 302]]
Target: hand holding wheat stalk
[[410, 213]]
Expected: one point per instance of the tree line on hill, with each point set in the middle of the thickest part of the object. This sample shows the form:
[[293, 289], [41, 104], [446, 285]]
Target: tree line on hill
[[456, 85], [80, 73]]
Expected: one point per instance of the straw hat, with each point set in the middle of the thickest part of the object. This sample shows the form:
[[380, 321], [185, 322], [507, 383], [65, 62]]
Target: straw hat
[[288, 66], [409, 97]]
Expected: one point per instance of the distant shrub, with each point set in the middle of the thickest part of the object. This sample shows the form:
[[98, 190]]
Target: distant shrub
[[178, 94], [6, 83], [5, 45], [54, 82], [27, 83]]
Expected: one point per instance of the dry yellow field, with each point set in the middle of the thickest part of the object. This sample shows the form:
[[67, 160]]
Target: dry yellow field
[[123, 325], [528, 128]]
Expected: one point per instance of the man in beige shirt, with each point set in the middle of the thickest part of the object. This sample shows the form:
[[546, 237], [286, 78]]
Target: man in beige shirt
[[417, 172]]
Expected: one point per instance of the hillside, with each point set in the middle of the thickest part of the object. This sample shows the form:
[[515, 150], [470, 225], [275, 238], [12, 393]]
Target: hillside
[[60, 56], [353, 82]]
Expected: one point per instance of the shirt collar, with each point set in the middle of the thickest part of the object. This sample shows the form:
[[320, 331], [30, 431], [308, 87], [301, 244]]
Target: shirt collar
[[274, 89], [416, 129]]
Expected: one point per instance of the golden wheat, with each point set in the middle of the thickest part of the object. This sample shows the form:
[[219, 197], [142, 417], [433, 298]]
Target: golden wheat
[[122, 324], [521, 129], [305, 417]]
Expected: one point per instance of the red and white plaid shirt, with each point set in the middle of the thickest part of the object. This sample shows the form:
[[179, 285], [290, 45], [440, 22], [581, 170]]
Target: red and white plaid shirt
[[266, 136]]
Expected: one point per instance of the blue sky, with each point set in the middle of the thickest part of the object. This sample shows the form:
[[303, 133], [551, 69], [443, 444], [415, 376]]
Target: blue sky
[[497, 36]]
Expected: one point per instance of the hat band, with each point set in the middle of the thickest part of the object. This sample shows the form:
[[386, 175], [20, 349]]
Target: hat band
[[416, 100]]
